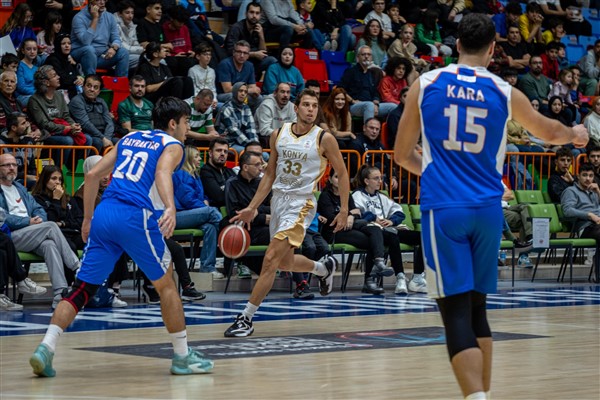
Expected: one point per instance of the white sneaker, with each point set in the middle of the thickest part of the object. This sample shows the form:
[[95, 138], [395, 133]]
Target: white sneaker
[[217, 275], [327, 45], [27, 286], [334, 45], [118, 303], [417, 283], [7, 305], [401, 284]]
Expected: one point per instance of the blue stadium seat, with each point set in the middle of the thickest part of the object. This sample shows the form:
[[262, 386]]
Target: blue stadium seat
[[569, 39], [590, 13], [574, 53], [595, 25], [586, 41], [336, 65]]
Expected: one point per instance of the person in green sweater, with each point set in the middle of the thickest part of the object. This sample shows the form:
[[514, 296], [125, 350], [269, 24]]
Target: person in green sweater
[[428, 32]]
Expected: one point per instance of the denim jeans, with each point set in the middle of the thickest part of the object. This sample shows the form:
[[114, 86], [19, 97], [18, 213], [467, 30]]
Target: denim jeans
[[89, 60], [207, 219], [60, 140], [346, 39], [366, 109]]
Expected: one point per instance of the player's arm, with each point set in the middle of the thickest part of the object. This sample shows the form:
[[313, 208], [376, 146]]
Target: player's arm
[[92, 184], [409, 130], [331, 151], [168, 161], [550, 130], [264, 188]]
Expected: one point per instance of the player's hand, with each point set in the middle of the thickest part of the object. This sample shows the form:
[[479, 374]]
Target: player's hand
[[340, 221], [166, 223], [246, 216], [580, 136], [85, 230]]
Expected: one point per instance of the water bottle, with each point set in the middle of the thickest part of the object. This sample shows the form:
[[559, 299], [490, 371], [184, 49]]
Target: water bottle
[[503, 257]]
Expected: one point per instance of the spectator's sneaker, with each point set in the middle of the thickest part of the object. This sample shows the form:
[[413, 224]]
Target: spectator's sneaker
[[244, 272], [27, 286], [380, 268], [217, 275], [302, 292], [334, 45], [524, 261], [7, 305], [327, 45], [242, 327], [193, 363], [522, 247], [153, 297], [372, 287], [401, 284], [41, 361], [418, 283], [326, 282], [190, 294]]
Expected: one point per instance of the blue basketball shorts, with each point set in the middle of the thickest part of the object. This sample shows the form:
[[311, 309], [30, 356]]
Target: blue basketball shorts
[[117, 228], [460, 249]]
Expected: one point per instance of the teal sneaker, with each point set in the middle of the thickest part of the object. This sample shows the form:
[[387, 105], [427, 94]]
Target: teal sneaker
[[193, 363], [41, 361]]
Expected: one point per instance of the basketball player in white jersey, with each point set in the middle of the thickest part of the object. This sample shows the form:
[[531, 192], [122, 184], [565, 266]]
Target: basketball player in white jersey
[[299, 155]]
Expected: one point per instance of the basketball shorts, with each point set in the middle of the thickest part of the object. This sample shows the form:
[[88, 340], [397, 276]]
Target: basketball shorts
[[460, 249], [118, 228], [291, 216]]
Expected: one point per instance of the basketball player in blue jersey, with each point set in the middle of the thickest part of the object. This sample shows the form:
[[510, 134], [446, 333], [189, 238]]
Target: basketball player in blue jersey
[[136, 211], [299, 155], [461, 111]]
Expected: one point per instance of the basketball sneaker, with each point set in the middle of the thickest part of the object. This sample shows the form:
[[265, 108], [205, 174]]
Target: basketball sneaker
[[193, 363], [401, 284], [524, 261], [30, 287], [326, 282], [190, 293], [242, 327], [41, 361], [303, 292], [244, 272], [380, 268], [417, 283]]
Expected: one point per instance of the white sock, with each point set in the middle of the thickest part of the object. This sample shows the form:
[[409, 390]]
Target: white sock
[[52, 335], [488, 395], [180, 346], [249, 310], [319, 269], [476, 396]]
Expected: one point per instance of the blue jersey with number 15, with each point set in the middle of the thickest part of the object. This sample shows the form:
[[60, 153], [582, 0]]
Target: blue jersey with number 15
[[464, 112], [133, 179]]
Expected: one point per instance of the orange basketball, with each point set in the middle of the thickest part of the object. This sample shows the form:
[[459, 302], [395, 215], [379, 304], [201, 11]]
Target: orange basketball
[[234, 241]]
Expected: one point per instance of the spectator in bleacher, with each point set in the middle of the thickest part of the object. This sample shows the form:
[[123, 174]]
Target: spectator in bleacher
[[506, 19], [550, 61], [385, 22], [575, 24], [236, 69], [202, 130], [590, 68], [530, 25], [49, 111], [45, 39], [275, 110], [336, 112], [282, 24], [178, 34], [284, 71], [319, 40], [563, 61], [331, 22], [313, 85], [18, 131], [448, 12], [393, 11], [562, 89], [515, 49], [361, 82], [135, 112], [10, 62], [516, 218], [411, 10], [428, 32], [26, 70], [128, 32], [251, 31], [582, 201], [592, 120], [198, 22], [93, 114], [194, 211], [44, 7], [373, 38], [9, 104], [18, 25], [593, 155], [554, 32], [30, 230], [499, 60], [393, 120], [96, 41], [235, 120], [534, 84], [406, 47], [556, 110], [203, 76], [398, 72], [65, 66], [561, 177], [160, 81], [214, 173]]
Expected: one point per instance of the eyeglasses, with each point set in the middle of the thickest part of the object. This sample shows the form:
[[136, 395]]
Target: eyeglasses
[[8, 165], [244, 53]]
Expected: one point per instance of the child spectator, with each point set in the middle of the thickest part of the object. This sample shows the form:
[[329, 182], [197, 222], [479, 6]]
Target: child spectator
[[18, 25], [128, 33], [398, 20], [204, 77], [428, 32], [26, 69], [384, 20], [319, 39], [10, 62], [45, 39]]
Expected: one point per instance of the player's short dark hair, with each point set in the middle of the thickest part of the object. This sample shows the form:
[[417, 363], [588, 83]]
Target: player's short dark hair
[[167, 109], [245, 157], [476, 32], [304, 93], [587, 166], [563, 152], [219, 140]]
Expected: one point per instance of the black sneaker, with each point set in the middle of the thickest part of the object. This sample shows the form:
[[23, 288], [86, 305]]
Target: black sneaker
[[242, 327], [372, 287], [153, 297], [380, 268], [302, 292], [190, 294], [326, 282]]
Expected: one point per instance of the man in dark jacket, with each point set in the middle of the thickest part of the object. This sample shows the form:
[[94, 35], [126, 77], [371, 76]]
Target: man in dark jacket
[[214, 173], [561, 177]]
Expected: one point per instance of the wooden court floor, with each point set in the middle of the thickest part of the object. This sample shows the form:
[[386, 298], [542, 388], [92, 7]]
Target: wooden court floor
[[556, 357]]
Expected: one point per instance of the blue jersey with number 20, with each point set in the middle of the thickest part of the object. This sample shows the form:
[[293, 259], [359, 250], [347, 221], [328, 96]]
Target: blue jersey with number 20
[[464, 111]]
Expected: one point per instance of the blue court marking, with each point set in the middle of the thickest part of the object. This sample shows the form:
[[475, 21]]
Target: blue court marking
[[217, 312]]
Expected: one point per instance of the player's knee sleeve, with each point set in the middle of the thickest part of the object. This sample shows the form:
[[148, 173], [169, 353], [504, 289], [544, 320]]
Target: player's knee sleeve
[[456, 314], [80, 294], [479, 318]]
